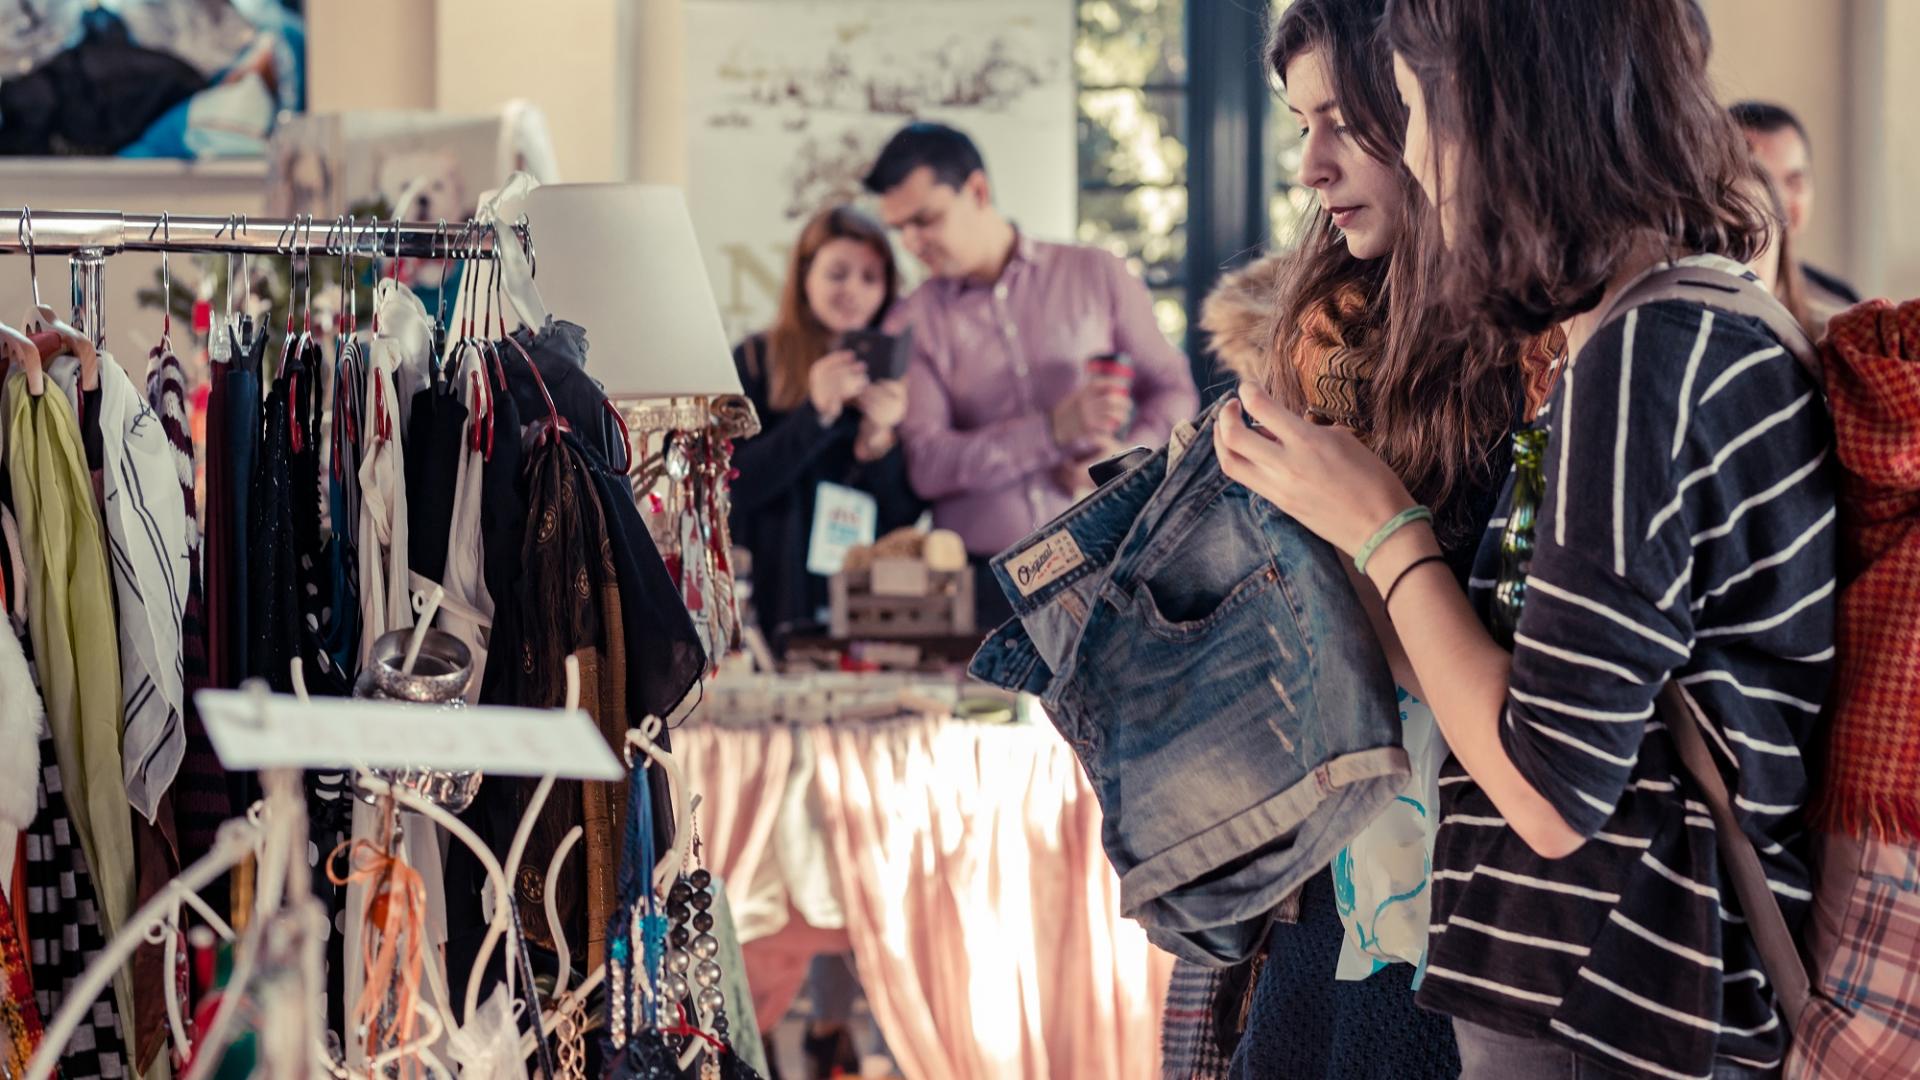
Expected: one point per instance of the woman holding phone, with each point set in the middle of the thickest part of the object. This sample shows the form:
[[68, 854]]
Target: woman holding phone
[[827, 424]]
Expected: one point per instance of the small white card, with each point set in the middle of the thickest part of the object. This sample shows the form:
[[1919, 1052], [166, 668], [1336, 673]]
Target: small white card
[[843, 519], [336, 732]]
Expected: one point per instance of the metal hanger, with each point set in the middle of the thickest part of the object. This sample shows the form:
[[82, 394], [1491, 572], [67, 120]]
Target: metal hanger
[[16, 346], [44, 319], [285, 245], [165, 228], [247, 327]]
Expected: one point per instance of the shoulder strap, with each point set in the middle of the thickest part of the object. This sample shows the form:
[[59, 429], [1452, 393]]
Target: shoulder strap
[[1779, 954], [1722, 291]]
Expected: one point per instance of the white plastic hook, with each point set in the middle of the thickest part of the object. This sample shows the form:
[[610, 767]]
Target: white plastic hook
[[641, 739], [503, 898]]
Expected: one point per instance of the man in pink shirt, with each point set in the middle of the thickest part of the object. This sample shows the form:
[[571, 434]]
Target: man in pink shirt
[[1002, 416]]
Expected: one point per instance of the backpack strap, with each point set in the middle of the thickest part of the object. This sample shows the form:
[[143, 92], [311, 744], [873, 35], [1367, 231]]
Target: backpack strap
[[1723, 291], [1735, 294], [1779, 954]]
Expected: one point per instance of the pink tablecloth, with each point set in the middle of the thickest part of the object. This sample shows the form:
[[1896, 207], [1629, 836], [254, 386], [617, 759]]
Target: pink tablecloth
[[984, 919]]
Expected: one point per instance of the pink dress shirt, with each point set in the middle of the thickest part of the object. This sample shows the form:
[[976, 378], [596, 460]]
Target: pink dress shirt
[[991, 361]]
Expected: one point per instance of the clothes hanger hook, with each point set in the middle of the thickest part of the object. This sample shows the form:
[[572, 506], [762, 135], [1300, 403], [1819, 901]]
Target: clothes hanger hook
[[166, 281], [439, 243], [26, 240], [523, 229]]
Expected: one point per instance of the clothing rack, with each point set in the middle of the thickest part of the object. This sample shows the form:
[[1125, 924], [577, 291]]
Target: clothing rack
[[90, 236]]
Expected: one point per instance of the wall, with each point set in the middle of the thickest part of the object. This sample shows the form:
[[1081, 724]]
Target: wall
[[1841, 65], [1887, 84], [349, 68], [573, 58], [611, 75], [787, 102], [1796, 54]]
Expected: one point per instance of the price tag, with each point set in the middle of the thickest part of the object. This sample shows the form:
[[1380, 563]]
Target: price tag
[[843, 519], [331, 733]]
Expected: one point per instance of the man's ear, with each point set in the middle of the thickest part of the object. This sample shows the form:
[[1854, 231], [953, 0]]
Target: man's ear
[[978, 188]]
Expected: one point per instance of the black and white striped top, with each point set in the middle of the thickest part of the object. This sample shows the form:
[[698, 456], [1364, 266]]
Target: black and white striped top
[[1688, 529]]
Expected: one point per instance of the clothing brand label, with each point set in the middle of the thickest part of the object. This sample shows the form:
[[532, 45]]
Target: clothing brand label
[[1044, 563]]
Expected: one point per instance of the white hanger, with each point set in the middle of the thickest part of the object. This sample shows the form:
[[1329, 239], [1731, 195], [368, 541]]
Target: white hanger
[[640, 738], [234, 842], [501, 876], [249, 835]]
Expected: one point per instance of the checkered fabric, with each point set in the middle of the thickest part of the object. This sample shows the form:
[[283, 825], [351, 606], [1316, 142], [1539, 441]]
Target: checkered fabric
[[1188, 1048], [1872, 779], [64, 932], [1865, 941]]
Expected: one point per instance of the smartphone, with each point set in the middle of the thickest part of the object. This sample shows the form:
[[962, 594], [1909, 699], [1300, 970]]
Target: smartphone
[[885, 355]]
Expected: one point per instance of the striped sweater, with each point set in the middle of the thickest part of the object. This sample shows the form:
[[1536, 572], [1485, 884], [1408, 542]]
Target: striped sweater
[[1687, 531]]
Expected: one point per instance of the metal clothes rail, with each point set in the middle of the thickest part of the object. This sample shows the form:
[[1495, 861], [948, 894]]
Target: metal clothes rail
[[70, 232], [91, 236]]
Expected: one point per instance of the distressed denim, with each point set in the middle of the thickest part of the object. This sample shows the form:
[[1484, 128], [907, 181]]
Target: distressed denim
[[1210, 665]]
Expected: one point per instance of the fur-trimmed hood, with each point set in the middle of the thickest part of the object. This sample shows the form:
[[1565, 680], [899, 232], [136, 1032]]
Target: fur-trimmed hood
[[1240, 314]]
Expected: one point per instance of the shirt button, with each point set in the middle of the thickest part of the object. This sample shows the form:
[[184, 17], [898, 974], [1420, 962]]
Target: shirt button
[[1000, 291], [1012, 331]]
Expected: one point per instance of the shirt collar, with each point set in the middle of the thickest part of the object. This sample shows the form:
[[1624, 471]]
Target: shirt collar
[[1026, 251]]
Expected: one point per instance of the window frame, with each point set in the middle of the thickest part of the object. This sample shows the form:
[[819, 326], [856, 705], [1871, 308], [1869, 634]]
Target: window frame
[[1229, 159], [1231, 172]]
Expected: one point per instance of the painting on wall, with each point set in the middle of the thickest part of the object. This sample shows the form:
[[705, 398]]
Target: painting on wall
[[789, 101]]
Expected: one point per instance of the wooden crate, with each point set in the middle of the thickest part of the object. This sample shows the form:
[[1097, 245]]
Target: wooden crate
[[944, 609]]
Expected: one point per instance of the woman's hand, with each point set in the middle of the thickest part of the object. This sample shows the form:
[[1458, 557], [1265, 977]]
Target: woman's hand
[[833, 381], [882, 406], [1322, 477]]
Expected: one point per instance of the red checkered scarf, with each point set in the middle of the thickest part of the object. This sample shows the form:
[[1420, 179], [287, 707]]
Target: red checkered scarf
[[1872, 780]]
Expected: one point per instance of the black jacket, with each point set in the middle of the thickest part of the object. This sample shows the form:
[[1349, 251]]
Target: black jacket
[[1838, 288], [773, 496]]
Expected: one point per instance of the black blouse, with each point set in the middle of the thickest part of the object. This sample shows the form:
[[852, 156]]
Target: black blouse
[[779, 472]]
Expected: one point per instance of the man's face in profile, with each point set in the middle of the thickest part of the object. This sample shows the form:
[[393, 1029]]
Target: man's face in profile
[[1785, 156]]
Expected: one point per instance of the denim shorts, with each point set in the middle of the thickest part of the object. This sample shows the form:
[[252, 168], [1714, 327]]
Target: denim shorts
[[1210, 665]]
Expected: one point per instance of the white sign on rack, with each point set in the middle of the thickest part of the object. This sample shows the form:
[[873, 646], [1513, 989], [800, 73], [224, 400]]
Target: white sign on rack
[[334, 732]]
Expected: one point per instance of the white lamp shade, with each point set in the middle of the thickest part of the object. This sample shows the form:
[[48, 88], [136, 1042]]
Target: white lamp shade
[[622, 261]]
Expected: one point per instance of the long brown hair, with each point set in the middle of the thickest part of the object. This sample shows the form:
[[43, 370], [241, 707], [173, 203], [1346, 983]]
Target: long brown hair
[[797, 337], [1580, 130], [1434, 400]]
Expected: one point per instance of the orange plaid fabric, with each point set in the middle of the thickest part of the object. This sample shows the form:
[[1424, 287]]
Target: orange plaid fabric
[[1872, 778]]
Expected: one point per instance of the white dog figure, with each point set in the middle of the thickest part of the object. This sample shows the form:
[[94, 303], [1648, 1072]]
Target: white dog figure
[[425, 185]]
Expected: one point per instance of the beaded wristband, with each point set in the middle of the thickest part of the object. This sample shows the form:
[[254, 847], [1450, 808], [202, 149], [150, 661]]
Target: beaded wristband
[[1399, 521]]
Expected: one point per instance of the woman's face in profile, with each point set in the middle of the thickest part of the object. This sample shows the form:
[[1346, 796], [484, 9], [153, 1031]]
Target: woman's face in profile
[[1361, 194], [846, 284]]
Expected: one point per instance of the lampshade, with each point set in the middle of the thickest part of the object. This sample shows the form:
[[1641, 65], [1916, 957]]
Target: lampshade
[[622, 261]]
